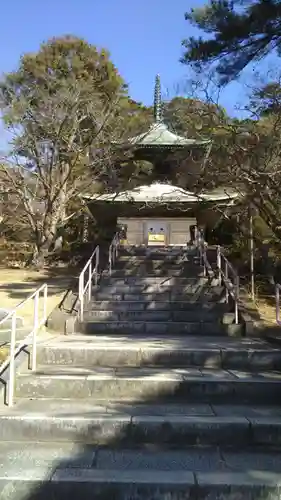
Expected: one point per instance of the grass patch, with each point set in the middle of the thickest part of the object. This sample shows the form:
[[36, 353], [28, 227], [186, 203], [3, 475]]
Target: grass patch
[[4, 353], [267, 311], [17, 284], [262, 309]]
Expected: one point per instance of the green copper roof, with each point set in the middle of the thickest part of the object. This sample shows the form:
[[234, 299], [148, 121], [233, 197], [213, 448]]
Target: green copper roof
[[158, 134]]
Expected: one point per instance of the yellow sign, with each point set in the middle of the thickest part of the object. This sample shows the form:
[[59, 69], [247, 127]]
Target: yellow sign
[[123, 242], [159, 238]]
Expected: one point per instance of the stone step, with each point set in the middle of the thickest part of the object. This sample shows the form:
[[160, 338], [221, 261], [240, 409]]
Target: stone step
[[181, 352], [151, 384], [156, 263], [214, 294], [144, 484], [211, 328], [155, 280], [150, 266], [156, 305], [125, 288], [130, 425], [155, 256], [153, 315], [203, 460], [56, 455], [21, 334], [156, 253], [61, 472], [140, 271]]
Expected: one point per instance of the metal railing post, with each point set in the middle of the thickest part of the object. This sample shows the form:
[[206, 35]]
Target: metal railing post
[[90, 281], [200, 250], [97, 264], [90, 269], [277, 302], [219, 263], [226, 280], [204, 260], [110, 260], [113, 252], [15, 348], [34, 334], [236, 285], [11, 387], [45, 298], [81, 296], [117, 245]]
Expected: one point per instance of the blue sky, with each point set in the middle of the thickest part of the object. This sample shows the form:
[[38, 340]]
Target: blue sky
[[143, 36]]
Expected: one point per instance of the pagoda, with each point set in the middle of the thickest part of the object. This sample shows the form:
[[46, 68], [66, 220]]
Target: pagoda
[[161, 213], [162, 147]]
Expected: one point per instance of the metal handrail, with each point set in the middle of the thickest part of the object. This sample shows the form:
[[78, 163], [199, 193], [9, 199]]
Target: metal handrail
[[232, 287], [92, 269], [206, 264], [202, 246], [113, 251], [277, 302], [14, 350]]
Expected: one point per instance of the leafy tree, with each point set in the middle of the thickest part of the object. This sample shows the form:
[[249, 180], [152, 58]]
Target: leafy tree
[[247, 158], [129, 170], [64, 105], [236, 33], [193, 118], [137, 117], [266, 100]]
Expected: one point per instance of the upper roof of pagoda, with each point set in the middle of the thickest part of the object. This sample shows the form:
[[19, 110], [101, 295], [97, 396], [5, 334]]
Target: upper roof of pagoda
[[158, 133]]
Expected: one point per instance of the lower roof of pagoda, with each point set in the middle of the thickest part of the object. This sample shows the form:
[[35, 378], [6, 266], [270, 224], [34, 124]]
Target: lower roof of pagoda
[[165, 193]]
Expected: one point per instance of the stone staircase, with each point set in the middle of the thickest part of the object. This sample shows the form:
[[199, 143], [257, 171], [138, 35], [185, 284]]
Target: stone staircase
[[154, 399], [158, 292]]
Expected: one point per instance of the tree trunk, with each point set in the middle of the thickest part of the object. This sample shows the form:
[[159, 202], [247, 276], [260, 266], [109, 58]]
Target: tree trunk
[[40, 253], [44, 241], [46, 234]]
